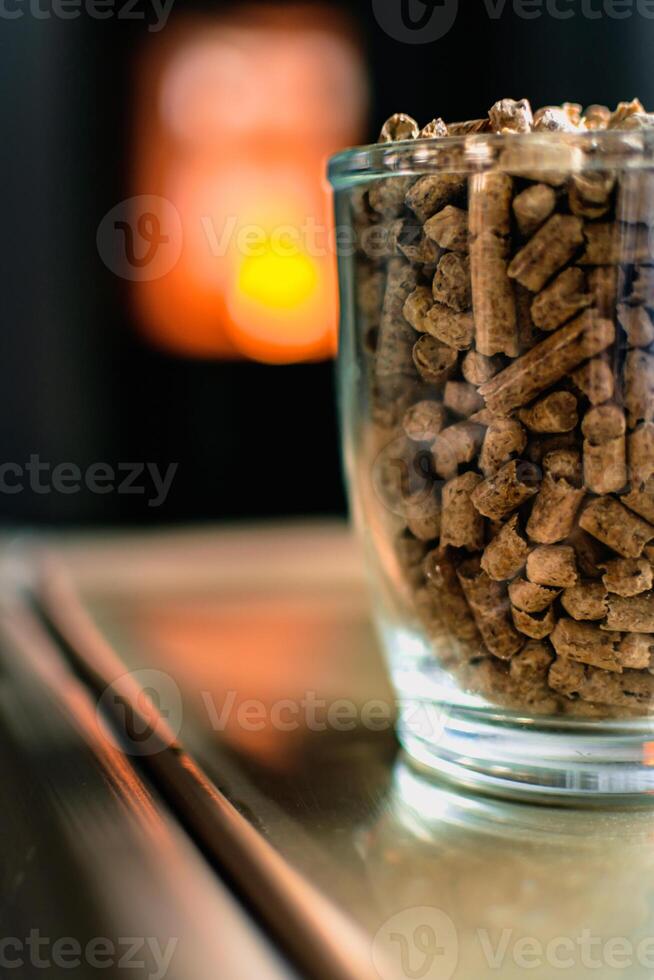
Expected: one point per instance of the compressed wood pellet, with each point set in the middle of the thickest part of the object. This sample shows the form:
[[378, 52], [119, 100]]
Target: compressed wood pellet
[[386, 197], [504, 439], [631, 615], [548, 163], [507, 341], [555, 119], [595, 380], [449, 229], [451, 283], [396, 337], [641, 501], [637, 324], [627, 689], [548, 362], [457, 444], [597, 117], [462, 398], [639, 387], [434, 361], [614, 525], [370, 292], [476, 368], [535, 625], [416, 247], [423, 421], [509, 116], [554, 413], [454, 329], [603, 288], [559, 301], [586, 600], [623, 111], [589, 194], [643, 285], [641, 455], [499, 495], [589, 551], [492, 294], [606, 245], [547, 251], [469, 127], [416, 307], [489, 605], [605, 449], [553, 565], [636, 651], [587, 644], [564, 463], [490, 198], [430, 194], [399, 127], [493, 298], [635, 202], [532, 207], [506, 554], [441, 577], [554, 511], [461, 525], [528, 671], [410, 555], [528, 334], [380, 241], [431, 621], [531, 597], [627, 576], [422, 512], [434, 129]]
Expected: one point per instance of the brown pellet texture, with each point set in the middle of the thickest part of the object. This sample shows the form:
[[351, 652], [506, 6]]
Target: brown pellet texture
[[505, 297]]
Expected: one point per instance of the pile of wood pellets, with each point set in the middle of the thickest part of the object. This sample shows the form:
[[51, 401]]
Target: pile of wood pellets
[[504, 324]]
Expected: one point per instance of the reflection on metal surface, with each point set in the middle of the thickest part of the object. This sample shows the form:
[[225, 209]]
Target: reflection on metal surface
[[513, 890], [325, 944], [89, 855]]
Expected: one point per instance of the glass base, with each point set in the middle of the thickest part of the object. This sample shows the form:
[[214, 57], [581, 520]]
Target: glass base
[[553, 767], [553, 760]]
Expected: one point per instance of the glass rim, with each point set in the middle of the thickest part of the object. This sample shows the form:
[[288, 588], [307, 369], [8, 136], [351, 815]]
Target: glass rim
[[480, 152]]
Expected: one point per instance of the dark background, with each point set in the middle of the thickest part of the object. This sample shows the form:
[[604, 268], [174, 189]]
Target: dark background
[[76, 382]]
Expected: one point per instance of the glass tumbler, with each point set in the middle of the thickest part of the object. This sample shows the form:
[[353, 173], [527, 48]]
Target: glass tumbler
[[496, 387]]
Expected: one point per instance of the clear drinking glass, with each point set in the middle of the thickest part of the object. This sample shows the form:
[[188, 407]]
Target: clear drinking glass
[[497, 395]]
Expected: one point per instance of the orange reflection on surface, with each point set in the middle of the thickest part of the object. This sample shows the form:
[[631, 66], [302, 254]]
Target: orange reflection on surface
[[237, 117]]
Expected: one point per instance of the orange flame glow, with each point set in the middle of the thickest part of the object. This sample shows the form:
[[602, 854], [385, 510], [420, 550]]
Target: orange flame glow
[[237, 117]]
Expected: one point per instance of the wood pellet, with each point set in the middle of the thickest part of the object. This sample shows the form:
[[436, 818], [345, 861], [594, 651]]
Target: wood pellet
[[508, 319]]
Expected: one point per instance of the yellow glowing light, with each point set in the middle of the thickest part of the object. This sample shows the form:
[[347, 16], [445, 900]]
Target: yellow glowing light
[[236, 115], [281, 282]]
